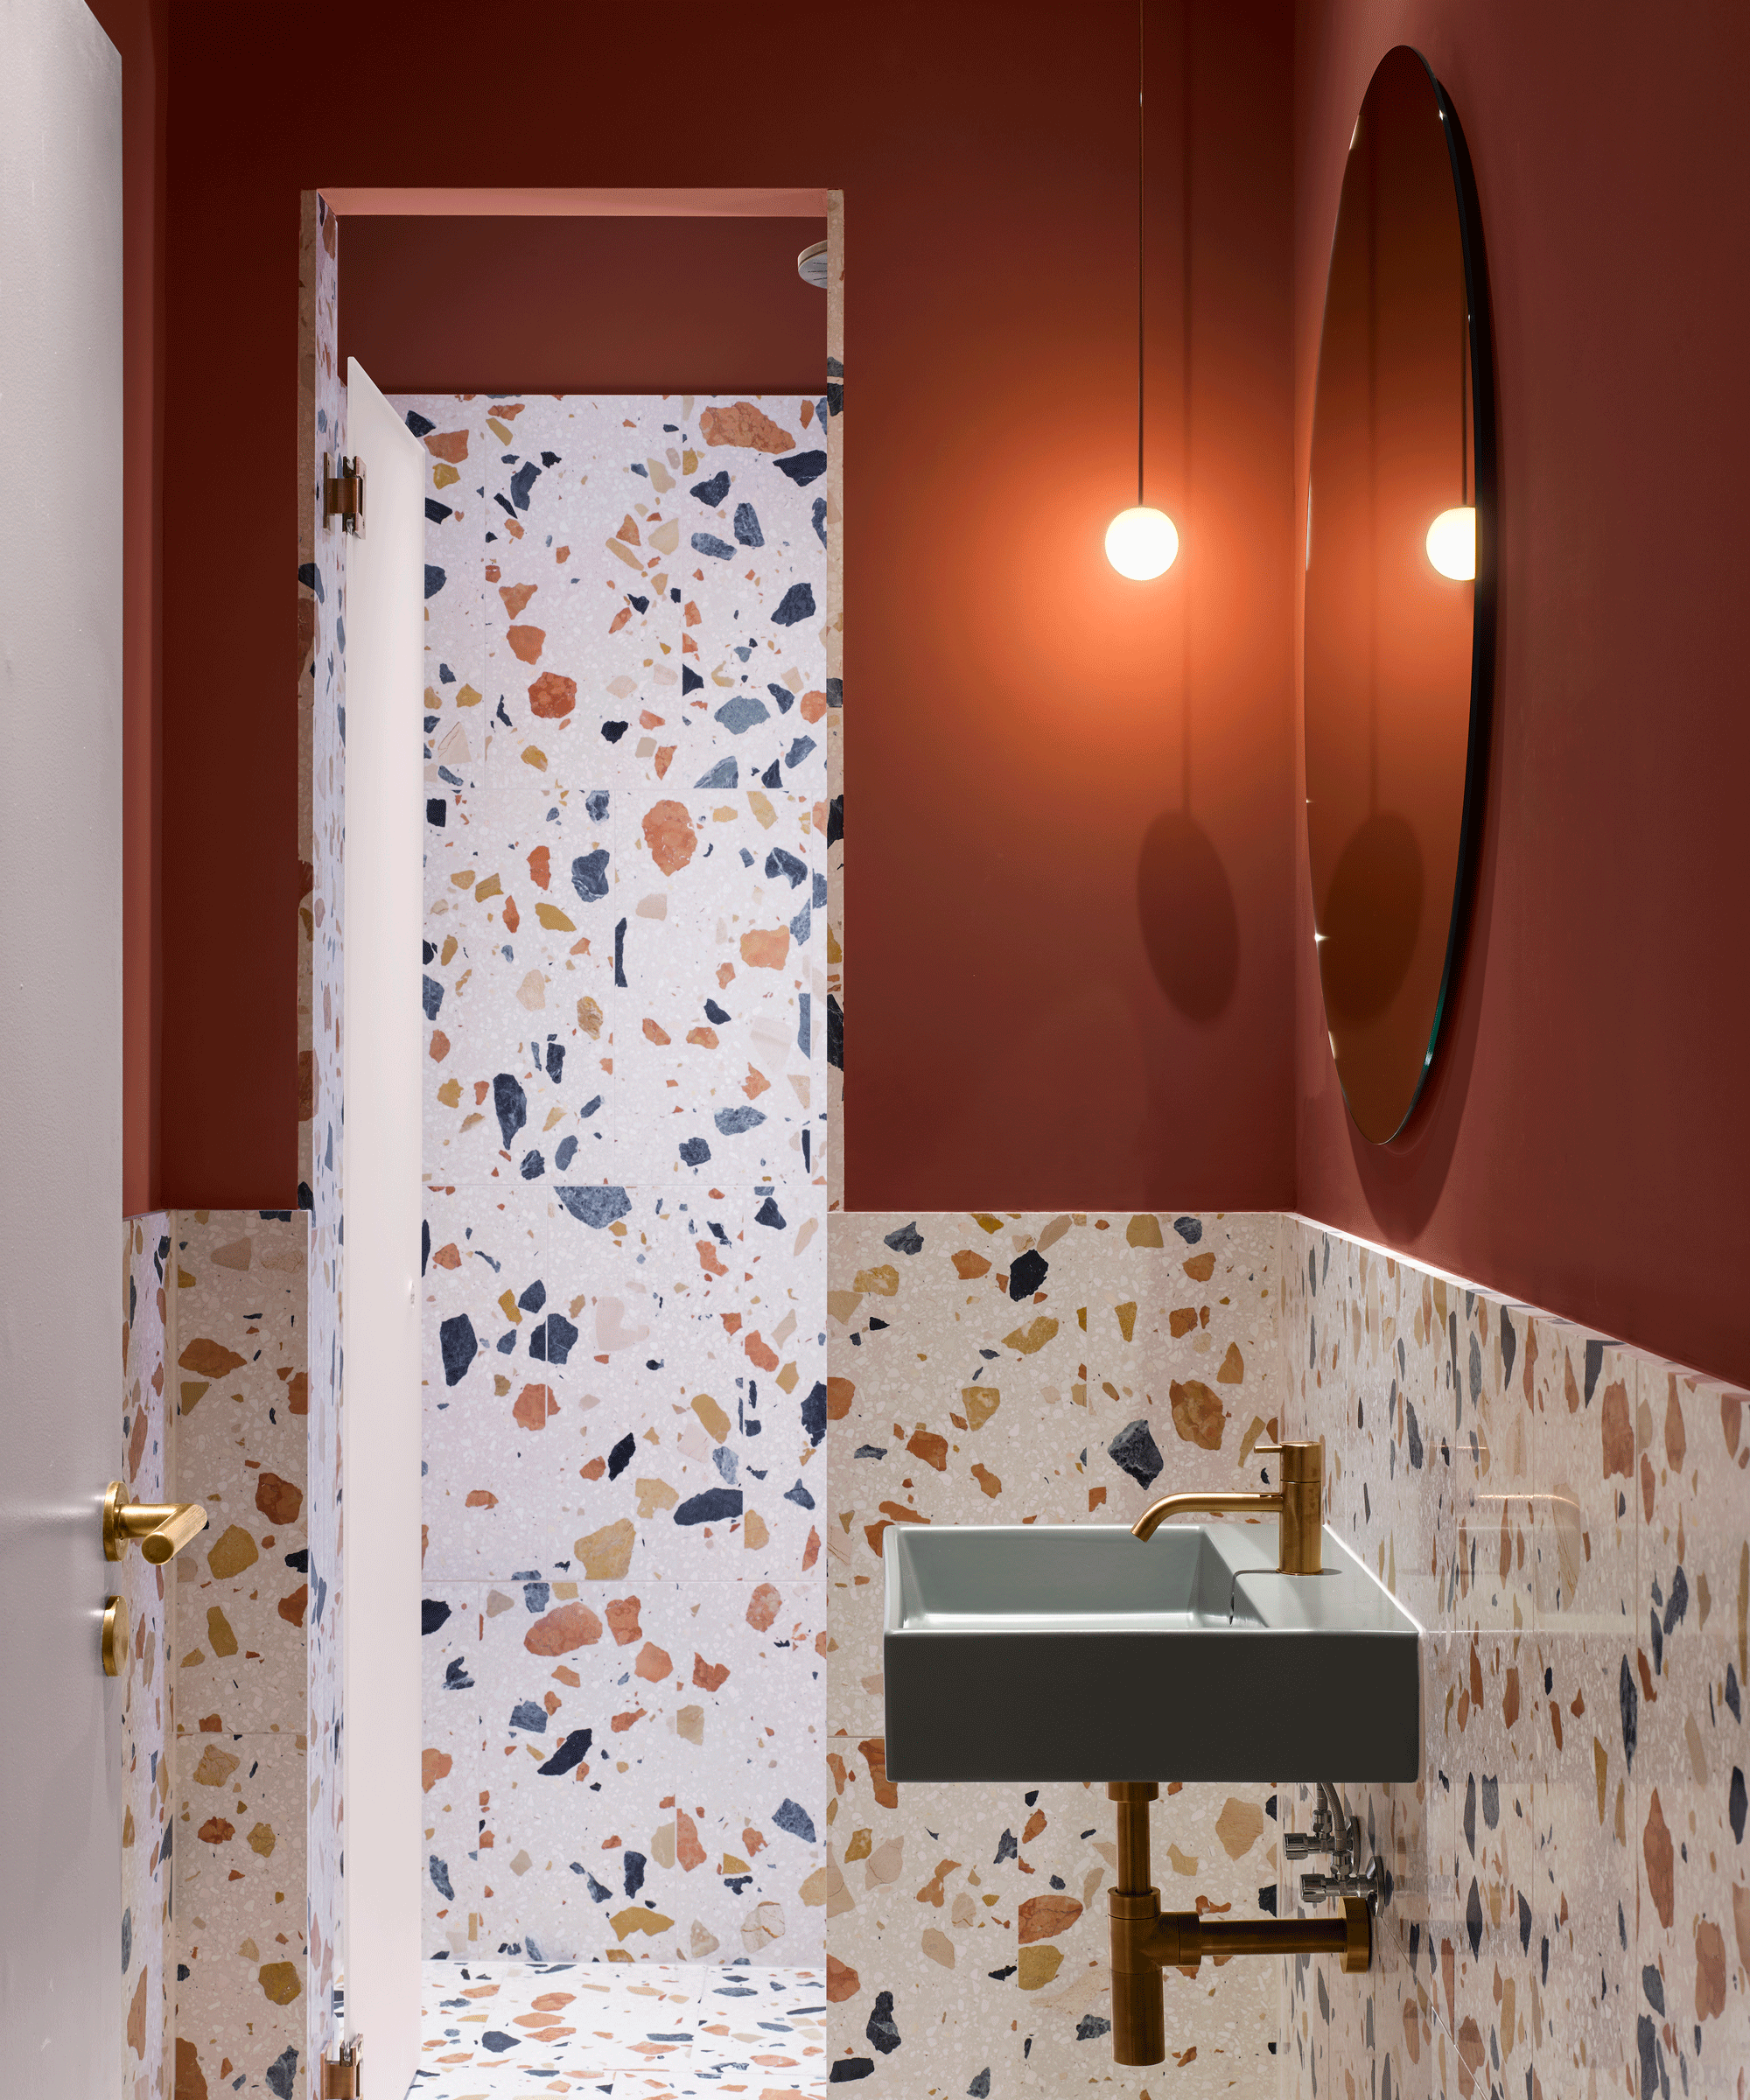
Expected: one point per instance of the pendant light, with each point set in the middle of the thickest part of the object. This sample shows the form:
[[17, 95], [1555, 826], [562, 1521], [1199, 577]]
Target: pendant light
[[1141, 542]]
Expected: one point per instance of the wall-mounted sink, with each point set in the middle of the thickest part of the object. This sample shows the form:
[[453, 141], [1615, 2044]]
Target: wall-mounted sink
[[1016, 1652]]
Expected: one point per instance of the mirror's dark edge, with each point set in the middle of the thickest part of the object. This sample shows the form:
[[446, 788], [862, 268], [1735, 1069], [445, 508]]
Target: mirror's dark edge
[[1486, 492]]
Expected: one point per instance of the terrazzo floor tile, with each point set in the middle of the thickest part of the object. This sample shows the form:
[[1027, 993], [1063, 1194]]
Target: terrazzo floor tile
[[655, 2032]]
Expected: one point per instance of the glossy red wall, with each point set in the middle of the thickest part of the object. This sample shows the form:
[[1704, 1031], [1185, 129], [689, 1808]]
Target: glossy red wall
[[551, 305], [1016, 732], [1584, 1139], [1015, 705]]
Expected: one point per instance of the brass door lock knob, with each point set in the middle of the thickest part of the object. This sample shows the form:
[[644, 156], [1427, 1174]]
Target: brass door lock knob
[[162, 1529], [116, 1635]]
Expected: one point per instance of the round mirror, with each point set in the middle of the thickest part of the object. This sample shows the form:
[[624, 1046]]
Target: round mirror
[[1399, 603]]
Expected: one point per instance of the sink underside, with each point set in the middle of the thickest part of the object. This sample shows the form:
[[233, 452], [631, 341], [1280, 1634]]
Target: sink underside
[[1078, 1652]]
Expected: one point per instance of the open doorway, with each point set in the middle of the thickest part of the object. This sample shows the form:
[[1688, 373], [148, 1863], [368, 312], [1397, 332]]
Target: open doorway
[[630, 656]]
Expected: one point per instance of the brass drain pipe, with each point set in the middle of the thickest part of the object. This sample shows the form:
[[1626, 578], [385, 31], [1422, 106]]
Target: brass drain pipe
[[1145, 1940]]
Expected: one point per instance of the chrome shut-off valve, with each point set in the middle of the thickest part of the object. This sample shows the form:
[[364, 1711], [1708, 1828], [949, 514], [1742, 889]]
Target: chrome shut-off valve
[[1337, 1835]]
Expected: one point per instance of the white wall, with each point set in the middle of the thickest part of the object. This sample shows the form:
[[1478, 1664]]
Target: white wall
[[60, 1037]]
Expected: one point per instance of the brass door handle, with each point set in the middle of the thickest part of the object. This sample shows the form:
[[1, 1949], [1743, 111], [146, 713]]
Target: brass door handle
[[162, 1529]]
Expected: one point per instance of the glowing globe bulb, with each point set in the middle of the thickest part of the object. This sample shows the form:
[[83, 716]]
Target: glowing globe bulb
[[1142, 543], [1453, 543]]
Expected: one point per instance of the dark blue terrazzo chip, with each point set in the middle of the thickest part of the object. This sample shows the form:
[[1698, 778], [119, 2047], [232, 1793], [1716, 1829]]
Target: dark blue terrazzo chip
[[595, 1206], [813, 1413], [589, 875], [740, 714], [714, 1506], [1135, 1451], [1027, 1273], [792, 1816], [802, 467], [510, 1104], [459, 1346], [570, 1755]]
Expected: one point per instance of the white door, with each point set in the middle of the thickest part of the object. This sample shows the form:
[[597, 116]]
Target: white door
[[60, 1040], [382, 928]]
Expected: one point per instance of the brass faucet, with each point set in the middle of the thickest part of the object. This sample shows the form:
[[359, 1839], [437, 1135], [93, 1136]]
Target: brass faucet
[[1298, 1502], [1144, 1943]]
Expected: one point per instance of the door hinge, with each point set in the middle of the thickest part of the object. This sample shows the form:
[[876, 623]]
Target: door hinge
[[343, 2076], [343, 495]]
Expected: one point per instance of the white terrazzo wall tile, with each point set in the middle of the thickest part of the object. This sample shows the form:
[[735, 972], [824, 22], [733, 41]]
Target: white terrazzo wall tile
[[624, 1272], [1569, 1912], [243, 1601], [148, 1713], [1004, 1369], [832, 1021]]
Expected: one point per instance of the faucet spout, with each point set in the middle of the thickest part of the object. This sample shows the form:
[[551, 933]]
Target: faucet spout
[[1265, 1502], [1298, 1502]]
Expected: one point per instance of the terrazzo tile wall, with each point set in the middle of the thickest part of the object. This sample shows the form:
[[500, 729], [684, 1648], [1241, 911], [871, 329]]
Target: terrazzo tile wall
[[1011, 1369], [148, 1960], [1570, 1910], [322, 814], [835, 689], [1570, 1520], [236, 1341], [625, 1264]]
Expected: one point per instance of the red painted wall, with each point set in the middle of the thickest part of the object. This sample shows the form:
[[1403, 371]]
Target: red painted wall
[[1016, 705], [582, 305], [1016, 727], [1584, 1139], [136, 28]]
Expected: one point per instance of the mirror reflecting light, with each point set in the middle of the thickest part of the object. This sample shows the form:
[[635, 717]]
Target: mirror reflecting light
[[1142, 543], [1453, 543]]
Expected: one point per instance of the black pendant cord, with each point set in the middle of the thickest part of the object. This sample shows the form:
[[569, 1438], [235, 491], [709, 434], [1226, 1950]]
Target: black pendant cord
[[1184, 175], [1464, 414], [1141, 210]]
